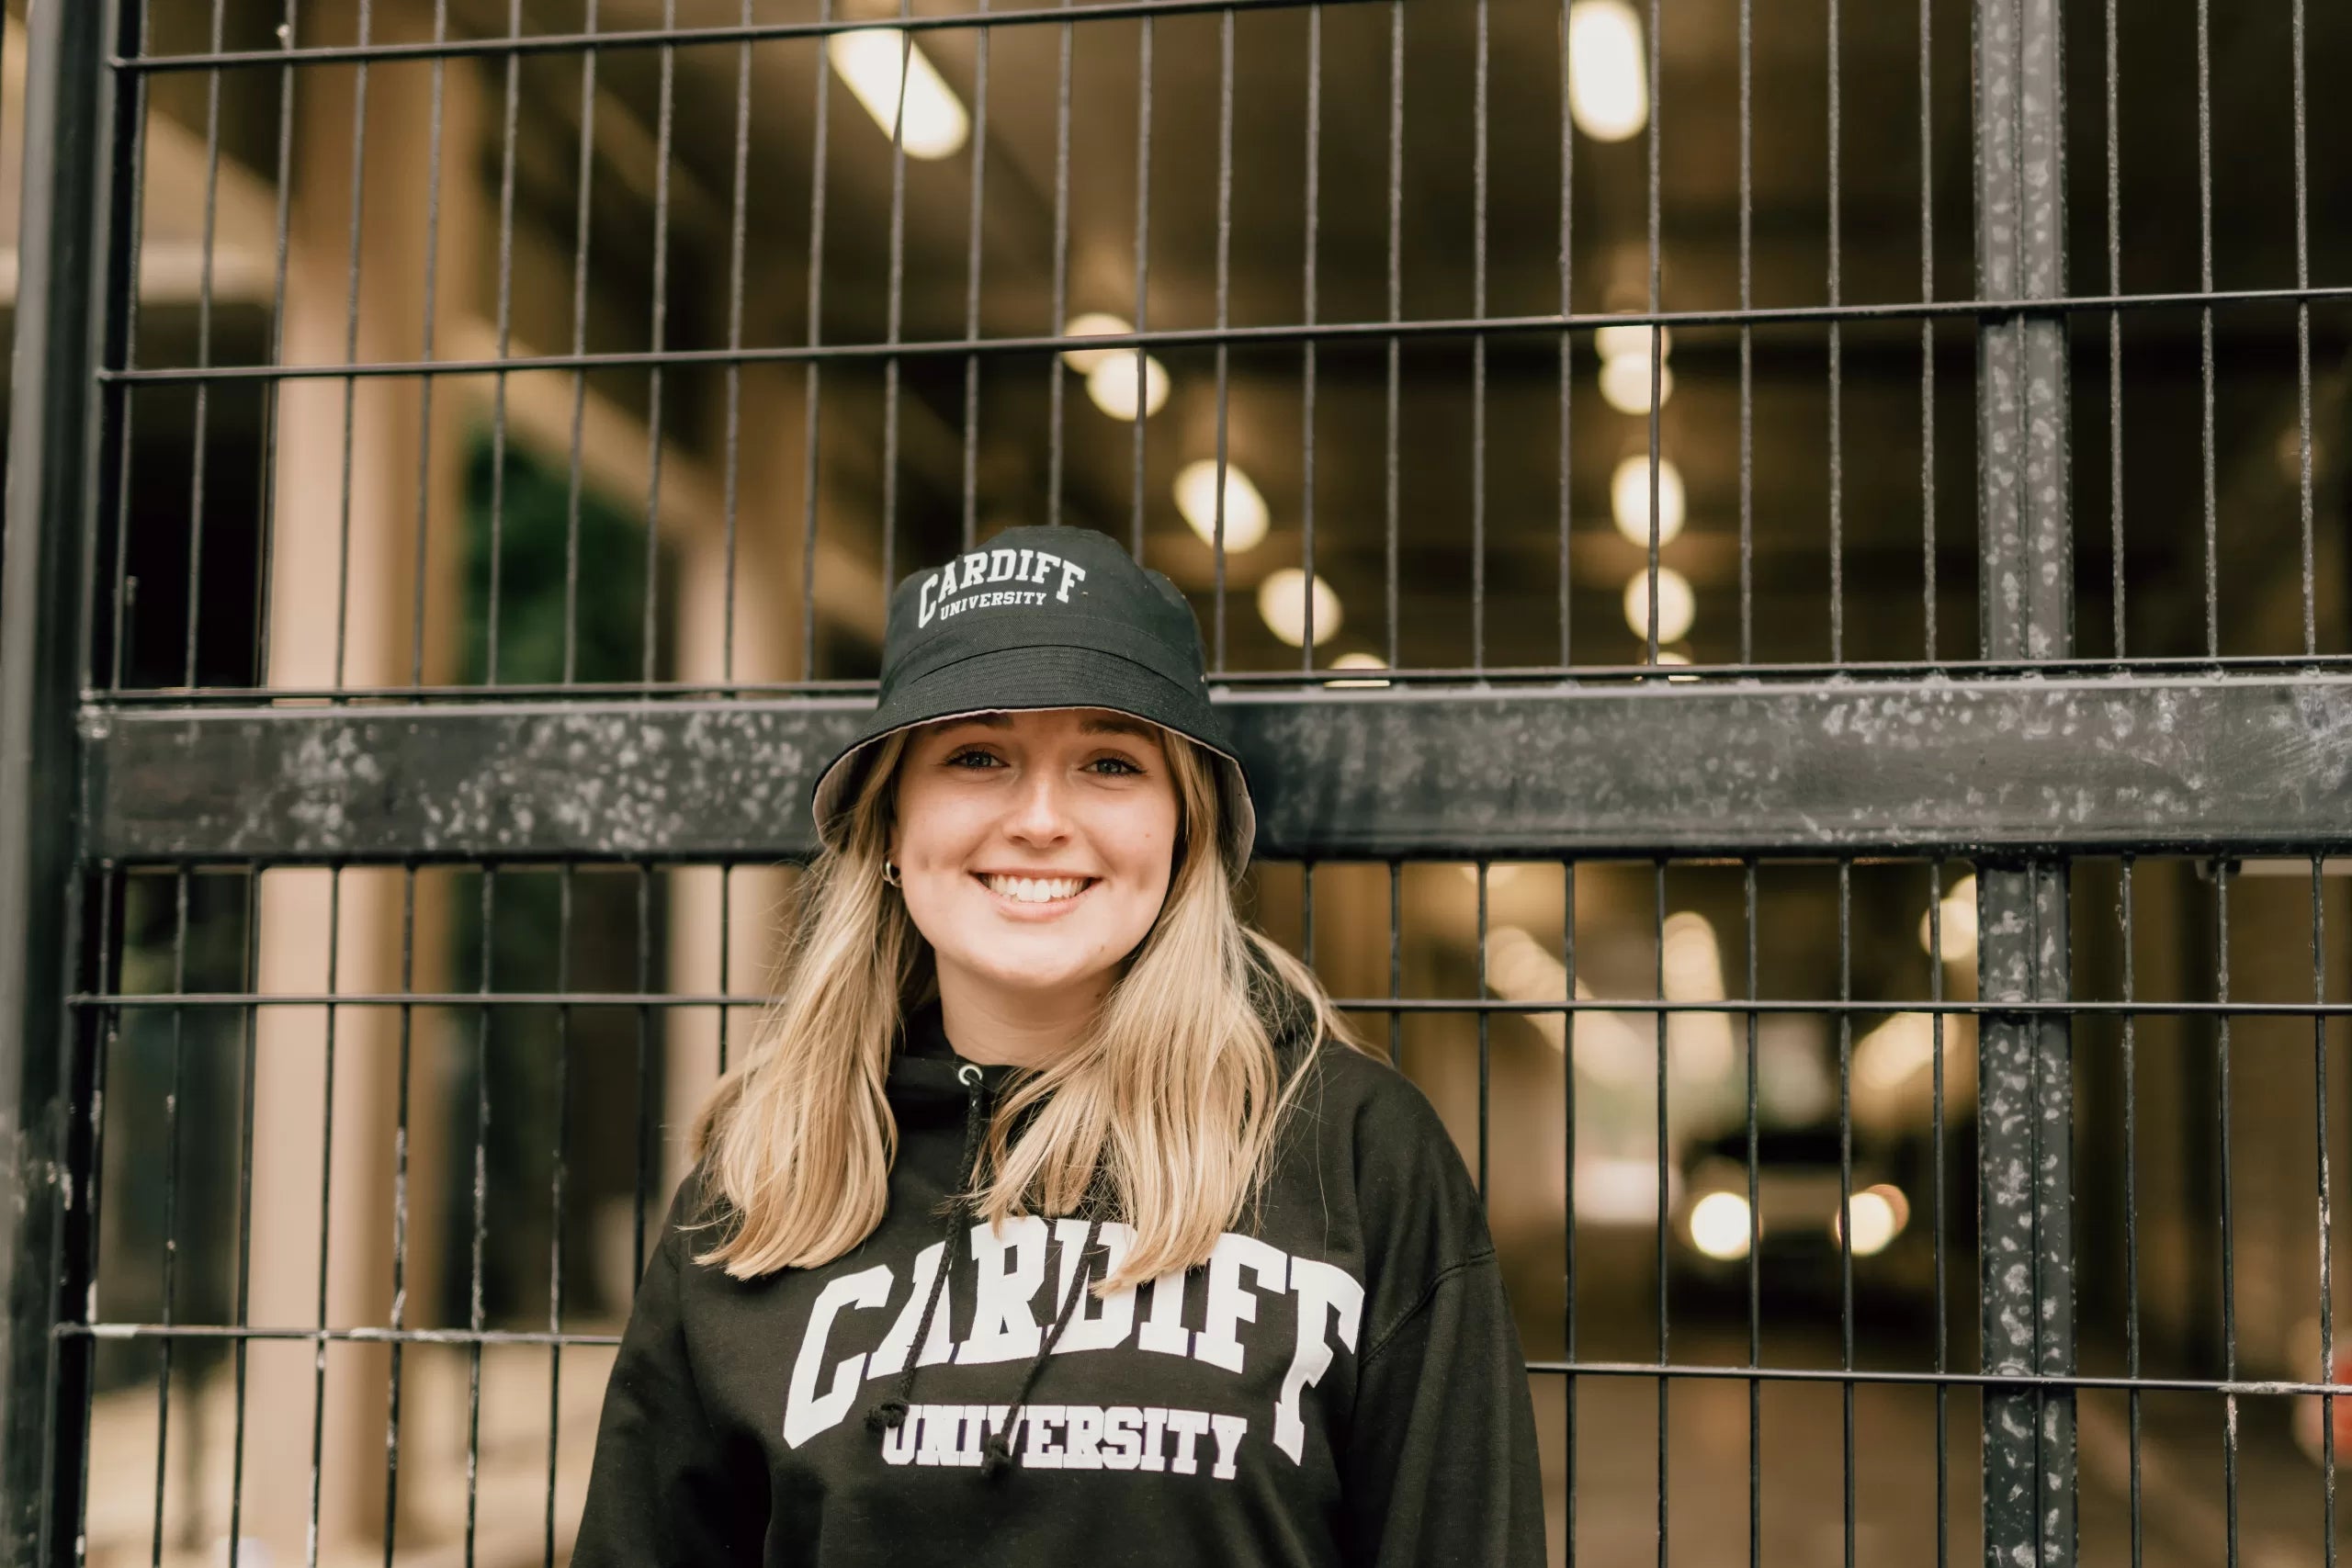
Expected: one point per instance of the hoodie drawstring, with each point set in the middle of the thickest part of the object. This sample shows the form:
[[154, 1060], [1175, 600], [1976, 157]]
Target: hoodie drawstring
[[888, 1415]]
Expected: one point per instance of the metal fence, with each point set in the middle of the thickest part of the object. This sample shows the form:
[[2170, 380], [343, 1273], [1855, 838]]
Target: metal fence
[[459, 453]]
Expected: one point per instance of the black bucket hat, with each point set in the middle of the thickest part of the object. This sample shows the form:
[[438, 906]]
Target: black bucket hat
[[1041, 617]]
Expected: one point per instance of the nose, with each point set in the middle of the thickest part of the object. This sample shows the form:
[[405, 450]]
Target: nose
[[1039, 814]]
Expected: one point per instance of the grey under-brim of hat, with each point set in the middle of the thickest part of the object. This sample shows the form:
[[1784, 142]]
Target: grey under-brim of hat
[[1037, 678]]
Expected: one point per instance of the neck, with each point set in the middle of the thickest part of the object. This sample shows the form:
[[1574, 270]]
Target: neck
[[997, 1026]]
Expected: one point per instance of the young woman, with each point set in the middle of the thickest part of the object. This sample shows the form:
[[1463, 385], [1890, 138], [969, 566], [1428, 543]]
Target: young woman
[[1052, 1219]]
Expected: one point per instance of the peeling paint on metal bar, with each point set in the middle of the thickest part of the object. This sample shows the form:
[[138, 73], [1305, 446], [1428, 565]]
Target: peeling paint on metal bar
[[2024, 766]]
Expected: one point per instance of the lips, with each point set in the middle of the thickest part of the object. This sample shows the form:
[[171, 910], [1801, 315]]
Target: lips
[[1035, 890]]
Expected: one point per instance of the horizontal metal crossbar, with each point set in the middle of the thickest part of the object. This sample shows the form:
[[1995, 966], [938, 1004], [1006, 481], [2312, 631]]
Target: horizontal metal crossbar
[[2237, 766], [1481, 326]]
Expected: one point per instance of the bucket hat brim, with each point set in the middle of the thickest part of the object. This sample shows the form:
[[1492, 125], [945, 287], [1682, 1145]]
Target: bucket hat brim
[[1035, 678]]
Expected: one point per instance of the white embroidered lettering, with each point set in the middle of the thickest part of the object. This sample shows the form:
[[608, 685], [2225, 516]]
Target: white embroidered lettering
[[1230, 1303], [1187, 1426], [1096, 1324], [1164, 1330], [927, 598], [1011, 1267], [1071, 573], [1229, 1430], [1080, 1447], [806, 1413], [1000, 566], [1322, 1291], [890, 1358], [1122, 1443]]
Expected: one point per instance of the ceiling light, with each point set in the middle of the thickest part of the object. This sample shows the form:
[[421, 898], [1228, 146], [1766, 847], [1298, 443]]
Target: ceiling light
[[1625, 383], [1677, 606], [1959, 923], [1629, 498], [1111, 384], [1095, 324], [1879, 1214], [1719, 1224], [899, 87], [1631, 342], [1608, 92], [1281, 601], [1196, 494], [1359, 661]]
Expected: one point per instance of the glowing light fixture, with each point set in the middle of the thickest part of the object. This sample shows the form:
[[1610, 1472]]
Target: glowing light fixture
[[1359, 661], [1676, 605], [1629, 498], [1095, 324], [1112, 386], [1281, 602], [1609, 90], [1960, 924], [1631, 342], [1625, 383], [1879, 1214], [890, 73], [1719, 1224], [1196, 490]]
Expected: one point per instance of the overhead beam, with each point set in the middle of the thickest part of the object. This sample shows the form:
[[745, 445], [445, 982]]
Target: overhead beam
[[2239, 765]]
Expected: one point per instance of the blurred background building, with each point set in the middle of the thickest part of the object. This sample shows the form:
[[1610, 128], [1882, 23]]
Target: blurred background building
[[792, 308]]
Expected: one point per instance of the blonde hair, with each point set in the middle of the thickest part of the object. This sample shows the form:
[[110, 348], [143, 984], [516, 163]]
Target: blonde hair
[[1168, 1100]]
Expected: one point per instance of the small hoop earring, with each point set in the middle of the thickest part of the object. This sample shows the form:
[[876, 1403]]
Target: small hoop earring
[[889, 874]]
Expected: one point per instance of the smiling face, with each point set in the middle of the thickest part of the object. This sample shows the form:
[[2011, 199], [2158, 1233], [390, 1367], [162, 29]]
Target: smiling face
[[1035, 849]]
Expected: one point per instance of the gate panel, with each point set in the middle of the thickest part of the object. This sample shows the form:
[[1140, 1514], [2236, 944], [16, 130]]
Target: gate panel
[[460, 453]]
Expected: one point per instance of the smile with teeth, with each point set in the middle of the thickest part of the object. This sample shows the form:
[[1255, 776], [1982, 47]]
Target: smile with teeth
[[1037, 889]]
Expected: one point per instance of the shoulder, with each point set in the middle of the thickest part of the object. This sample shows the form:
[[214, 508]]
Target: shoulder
[[1360, 1126]]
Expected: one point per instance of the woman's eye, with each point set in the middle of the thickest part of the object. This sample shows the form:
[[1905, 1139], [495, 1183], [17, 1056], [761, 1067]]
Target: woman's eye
[[972, 757], [1120, 766]]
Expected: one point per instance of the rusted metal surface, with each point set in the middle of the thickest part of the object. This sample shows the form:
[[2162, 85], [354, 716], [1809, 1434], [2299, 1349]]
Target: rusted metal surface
[[2017, 767]]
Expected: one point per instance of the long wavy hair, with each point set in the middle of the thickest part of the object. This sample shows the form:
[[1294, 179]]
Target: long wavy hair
[[1169, 1101]]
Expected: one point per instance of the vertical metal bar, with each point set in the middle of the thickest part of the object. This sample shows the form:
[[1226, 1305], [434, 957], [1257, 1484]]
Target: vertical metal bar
[[737, 224], [2303, 420], [2115, 328], [1747, 335], [106, 1037], [168, 1264], [1480, 91], [1143, 280], [326, 1217], [1837, 411], [1395, 304], [1658, 360], [476, 1319], [506, 329], [353, 257], [1569, 1177], [1568, 339], [195, 599], [1755, 1228], [2205, 322], [2131, 1212], [665, 117], [1938, 1217], [1657, 982], [1928, 395], [894, 314], [1308, 362], [1223, 368], [2222, 1119], [1056, 385], [972, 293], [1395, 962], [1486, 1048], [402, 1108], [585, 191], [425, 383], [1846, 1186], [250, 975], [266, 526], [812, 391], [69, 273], [2326, 1204], [2024, 1062]]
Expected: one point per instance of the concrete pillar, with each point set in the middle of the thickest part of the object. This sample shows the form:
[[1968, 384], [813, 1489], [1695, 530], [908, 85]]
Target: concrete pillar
[[345, 586]]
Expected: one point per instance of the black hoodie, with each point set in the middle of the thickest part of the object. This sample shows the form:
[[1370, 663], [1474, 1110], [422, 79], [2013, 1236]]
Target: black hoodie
[[1340, 1383]]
